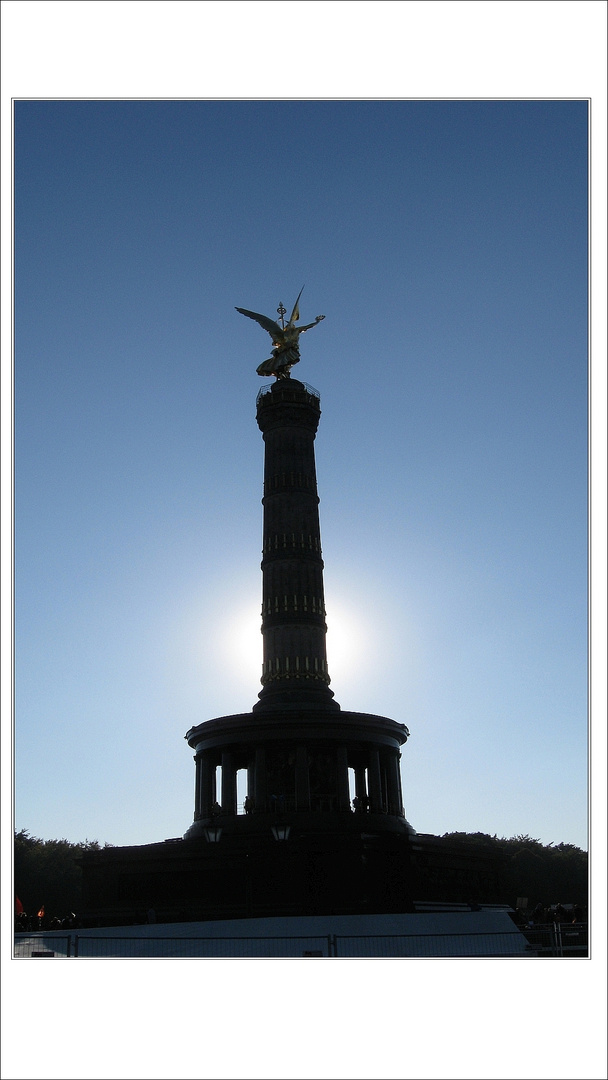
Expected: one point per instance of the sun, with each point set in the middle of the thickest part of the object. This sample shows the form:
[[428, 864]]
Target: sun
[[345, 643], [240, 646]]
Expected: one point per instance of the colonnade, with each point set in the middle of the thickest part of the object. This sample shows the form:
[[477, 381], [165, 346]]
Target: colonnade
[[377, 780]]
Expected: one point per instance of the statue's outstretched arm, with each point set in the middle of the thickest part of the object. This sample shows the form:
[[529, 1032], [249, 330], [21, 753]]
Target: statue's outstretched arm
[[318, 319]]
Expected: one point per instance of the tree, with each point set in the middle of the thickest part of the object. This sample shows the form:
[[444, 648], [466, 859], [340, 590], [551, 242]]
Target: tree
[[544, 873], [47, 873]]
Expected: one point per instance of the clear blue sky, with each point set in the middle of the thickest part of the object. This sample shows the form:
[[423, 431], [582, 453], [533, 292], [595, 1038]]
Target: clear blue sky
[[446, 243]]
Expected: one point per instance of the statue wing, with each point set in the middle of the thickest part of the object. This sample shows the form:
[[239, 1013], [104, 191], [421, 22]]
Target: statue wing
[[276, 332], [295, 315]]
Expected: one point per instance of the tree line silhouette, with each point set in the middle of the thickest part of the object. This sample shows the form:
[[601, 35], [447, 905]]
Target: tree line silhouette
[[47, 874], [541, 873]]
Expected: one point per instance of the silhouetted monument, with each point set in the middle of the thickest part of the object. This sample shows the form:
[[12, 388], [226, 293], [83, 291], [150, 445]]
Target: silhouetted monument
[[320, 827]]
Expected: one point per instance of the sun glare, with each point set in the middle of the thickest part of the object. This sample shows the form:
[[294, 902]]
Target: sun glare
[[240, 646], [345, 643]]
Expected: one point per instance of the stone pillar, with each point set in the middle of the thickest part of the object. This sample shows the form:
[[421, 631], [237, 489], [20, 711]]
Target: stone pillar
[[207, 785], [342, 775], [375, 782], [197, 787], [260, 795], [360, 785], [228, 784], [393, 775], [399, 786], [302, 779], [392, 797]]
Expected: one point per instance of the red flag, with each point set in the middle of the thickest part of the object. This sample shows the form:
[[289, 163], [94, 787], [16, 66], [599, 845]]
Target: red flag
[[18, 906], [41, 912]]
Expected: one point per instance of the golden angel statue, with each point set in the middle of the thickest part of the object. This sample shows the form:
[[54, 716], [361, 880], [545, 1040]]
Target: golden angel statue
[[285, 339]]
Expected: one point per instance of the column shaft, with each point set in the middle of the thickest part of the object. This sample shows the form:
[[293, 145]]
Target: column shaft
[[197, 787], [302, 779], [343, 788], [360, 785], [293, 606], [375, 783], [395, 774], [260, 779], [207, 787], [228, 784]]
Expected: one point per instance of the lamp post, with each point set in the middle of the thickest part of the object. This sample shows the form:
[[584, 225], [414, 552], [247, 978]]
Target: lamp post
[[280, 832], [212, 833]]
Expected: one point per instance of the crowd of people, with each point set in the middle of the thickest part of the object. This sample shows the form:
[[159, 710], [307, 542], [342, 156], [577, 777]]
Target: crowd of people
[[545, 915], [25, 923]]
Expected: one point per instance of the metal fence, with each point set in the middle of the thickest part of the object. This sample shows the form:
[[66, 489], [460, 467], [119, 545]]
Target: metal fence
[[506, 943], [558, 939], [553, 940], [286, 387], [44, 946], [85, 945]]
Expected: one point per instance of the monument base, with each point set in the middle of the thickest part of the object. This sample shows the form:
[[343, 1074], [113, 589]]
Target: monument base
[[307, 873]]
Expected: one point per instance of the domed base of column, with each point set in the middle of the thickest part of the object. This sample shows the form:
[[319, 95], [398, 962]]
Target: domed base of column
[[277, 697]]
